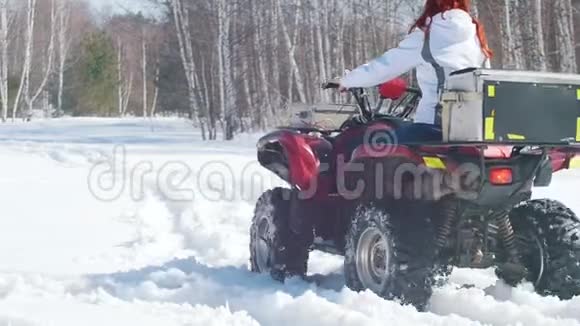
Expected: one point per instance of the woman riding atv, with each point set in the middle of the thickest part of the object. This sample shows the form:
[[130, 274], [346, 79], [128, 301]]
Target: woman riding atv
[[446, 38]]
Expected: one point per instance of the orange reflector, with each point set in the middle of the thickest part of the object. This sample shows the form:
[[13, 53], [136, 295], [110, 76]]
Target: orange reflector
[[501, 176]]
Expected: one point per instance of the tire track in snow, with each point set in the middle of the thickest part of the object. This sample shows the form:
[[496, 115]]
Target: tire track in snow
[[38, 300], [216, 275], [298, 302], [269, 302]]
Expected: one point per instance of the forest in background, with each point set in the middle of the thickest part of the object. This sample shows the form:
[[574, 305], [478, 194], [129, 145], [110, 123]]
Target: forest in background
[[233, 65]]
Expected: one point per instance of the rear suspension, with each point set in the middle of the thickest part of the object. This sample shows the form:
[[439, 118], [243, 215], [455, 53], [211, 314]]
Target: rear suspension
[[511, 270], [449, 214], [506, 235]]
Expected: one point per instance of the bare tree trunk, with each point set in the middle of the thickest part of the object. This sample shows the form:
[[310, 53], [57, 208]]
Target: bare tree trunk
[[181, 17], [207, 98], [246, 84], [120, 81], [225, 59], [144, 72], [265, 104], [24, 78], [4, 40], [563, 12], [127, 94], [275, 72], [508, 45], [356, 59], [156, 92], [321, 17], [63, 47], [326, 32], [340, 62], [291, 45], [530, 18], [32, 97], [311, 64], [512, 38], [539, 32], [124, 83]]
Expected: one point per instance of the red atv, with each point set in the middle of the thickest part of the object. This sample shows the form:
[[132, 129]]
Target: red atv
[[403, 211]]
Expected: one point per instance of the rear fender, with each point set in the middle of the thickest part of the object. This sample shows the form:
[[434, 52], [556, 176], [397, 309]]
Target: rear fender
[[290, 156], [565, 158]]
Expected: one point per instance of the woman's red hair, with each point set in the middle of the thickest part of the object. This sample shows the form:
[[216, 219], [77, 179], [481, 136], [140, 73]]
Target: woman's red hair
[[434, 7]]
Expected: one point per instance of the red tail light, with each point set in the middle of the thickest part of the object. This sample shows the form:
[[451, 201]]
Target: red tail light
[[501, 176]]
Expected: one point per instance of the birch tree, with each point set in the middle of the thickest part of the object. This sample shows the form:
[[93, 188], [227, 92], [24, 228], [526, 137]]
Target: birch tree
[[144, 71], [530, 18], [275, 71], [183, 29], [4, 44], [155, 92], [259, 38], [124, 83], [291, 45], [29, 39], [321, 19], [225, 68], [563, 18], [25, 80], [511, 53], [63, 41]]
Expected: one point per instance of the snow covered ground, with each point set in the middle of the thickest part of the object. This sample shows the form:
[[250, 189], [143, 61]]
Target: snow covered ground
[[138, 222]]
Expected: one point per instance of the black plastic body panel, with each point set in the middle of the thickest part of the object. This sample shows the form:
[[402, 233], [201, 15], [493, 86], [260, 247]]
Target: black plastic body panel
[[532, 112], [525, 169]]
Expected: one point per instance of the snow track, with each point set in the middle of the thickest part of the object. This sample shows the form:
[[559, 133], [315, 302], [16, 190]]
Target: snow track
[[158, 255]]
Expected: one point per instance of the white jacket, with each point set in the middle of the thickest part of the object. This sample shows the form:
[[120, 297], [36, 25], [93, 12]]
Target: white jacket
[[454, 45]]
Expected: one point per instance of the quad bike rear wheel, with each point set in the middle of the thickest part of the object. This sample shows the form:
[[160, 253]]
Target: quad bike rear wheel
[[390, 252], [548, 238], [274, 248]]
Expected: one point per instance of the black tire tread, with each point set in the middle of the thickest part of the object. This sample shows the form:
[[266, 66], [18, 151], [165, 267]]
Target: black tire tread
[[558, 229], [290, 255], [413, 255]]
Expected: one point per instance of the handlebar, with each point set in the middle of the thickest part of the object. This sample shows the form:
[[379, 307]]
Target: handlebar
[[367, 112], [358, 93], [331, 84]]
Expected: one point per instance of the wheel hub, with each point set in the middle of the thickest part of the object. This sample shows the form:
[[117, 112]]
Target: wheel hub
[[263, 255], [372, 259]]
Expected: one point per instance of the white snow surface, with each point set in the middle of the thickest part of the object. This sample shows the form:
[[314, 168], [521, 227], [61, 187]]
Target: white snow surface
[[84, 244]]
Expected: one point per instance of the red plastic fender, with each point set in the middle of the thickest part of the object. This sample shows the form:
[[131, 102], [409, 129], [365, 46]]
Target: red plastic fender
[[559, 160], [565, 158], [499, 152], [302, 161]]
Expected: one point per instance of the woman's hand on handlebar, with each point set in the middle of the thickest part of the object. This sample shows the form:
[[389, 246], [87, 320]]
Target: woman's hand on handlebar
[[335, 84]]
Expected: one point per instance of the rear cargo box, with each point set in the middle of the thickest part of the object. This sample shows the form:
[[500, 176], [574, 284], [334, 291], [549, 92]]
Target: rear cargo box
[[511, 107]]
